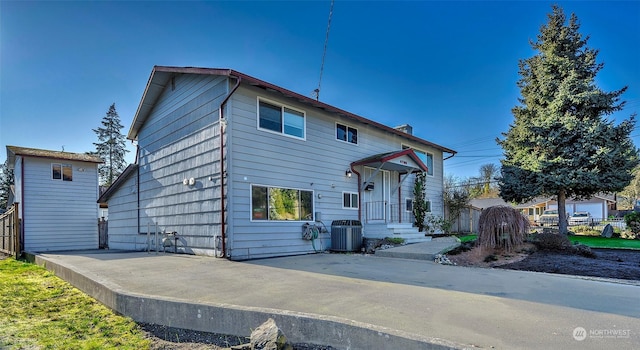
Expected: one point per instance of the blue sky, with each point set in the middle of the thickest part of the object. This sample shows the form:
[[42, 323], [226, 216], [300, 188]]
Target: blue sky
[[447, 68]]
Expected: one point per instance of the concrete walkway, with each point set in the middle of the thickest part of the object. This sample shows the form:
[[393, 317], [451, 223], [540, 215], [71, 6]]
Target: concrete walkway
[[353, 301], [421, 251]]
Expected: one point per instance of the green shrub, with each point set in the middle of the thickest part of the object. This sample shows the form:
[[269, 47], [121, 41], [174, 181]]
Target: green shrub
[[552, 241], [633, 221], [585, 231]]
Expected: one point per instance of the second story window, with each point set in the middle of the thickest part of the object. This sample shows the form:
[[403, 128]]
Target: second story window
[[346, 133], [280, 119]]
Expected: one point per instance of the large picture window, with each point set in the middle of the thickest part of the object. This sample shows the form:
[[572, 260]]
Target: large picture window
[[281, 204], [280, 119], [62, 172]]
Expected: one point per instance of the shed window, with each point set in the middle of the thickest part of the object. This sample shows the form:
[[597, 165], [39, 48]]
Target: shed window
[[281, 204], [346, 133], [62, 172], [281, 119]]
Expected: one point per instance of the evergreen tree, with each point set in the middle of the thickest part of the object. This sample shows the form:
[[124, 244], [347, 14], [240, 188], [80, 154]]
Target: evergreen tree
[[487, 173], [562, 142], [111, 147], [6, 180]]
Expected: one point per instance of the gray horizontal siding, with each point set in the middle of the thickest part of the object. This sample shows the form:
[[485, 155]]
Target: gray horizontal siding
[[180, 140], [123, 216], [60, 215], [317, 164]]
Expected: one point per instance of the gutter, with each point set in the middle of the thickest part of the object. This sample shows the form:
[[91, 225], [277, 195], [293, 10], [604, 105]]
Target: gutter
[[223, 216], [451, 156]]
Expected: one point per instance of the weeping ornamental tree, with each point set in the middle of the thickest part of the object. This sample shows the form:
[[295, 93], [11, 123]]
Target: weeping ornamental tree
[[110, 148], [562, 142], [502, 227]]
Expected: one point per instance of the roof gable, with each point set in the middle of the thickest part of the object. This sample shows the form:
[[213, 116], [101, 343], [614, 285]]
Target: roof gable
[[13, 151], [403, 161], [161, 76]]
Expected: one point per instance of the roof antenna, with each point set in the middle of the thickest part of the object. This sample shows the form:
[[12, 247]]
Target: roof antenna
[[324, 53]]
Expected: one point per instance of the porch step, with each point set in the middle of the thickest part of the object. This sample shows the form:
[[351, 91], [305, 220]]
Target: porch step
[[405, 231]]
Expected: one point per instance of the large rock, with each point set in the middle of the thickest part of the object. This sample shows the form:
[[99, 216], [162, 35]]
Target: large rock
[[607, 231], [269, 337]]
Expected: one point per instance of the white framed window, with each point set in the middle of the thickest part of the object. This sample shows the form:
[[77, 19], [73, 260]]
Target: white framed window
[[278, 118], [425, 157], [409, 204], [281, 204], [350, 200], [346, 133], [62, 172]]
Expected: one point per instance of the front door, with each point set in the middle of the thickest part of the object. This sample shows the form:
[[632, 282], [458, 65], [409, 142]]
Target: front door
[[376, 198]]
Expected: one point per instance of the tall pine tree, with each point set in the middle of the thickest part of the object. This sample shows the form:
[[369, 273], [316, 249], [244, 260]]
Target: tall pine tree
[[111, 147], [562, 142], [6, 181]]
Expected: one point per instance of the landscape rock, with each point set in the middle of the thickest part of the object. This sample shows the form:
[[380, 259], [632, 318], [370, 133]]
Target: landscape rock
[[269, 337], [443, 260], [607, 231]]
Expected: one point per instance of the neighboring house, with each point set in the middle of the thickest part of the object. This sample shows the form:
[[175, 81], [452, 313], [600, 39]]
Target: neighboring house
[[237, 166], [599, 206], [57, 193]]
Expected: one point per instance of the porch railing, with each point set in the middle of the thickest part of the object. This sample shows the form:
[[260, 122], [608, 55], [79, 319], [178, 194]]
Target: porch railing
[[382, 211]]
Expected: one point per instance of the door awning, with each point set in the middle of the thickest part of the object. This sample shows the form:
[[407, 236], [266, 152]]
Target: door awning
[[405, 161]]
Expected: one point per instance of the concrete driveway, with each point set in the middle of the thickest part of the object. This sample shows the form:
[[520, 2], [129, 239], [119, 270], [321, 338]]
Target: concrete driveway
[[353, 301]]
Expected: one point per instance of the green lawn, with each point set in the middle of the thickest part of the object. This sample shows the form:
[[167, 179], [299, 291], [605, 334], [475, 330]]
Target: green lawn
[[591, 241], [603, 242], [40, 311], [468, 238]]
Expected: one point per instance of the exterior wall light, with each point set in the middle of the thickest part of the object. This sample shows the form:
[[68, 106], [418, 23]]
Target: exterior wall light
[[348, 173]]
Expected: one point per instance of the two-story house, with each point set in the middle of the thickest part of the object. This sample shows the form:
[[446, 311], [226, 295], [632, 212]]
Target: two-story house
[[236, 166]]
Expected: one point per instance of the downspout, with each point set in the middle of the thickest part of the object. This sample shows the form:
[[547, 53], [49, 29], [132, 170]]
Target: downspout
[[222, 122], [22, 204], [138, 184], [359, 193], [399, 199]]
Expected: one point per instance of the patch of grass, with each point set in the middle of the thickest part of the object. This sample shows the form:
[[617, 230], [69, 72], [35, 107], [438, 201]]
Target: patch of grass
[[603, 242], [39, 310], [394, 240], [468, 238]]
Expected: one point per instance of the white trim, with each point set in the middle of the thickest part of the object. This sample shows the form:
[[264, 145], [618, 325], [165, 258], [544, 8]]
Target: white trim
[[282, 106], [62, 166], [357, 200], [335, 133], [313, 206]]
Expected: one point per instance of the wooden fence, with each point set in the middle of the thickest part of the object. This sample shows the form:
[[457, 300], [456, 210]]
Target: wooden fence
[[10, 238]]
